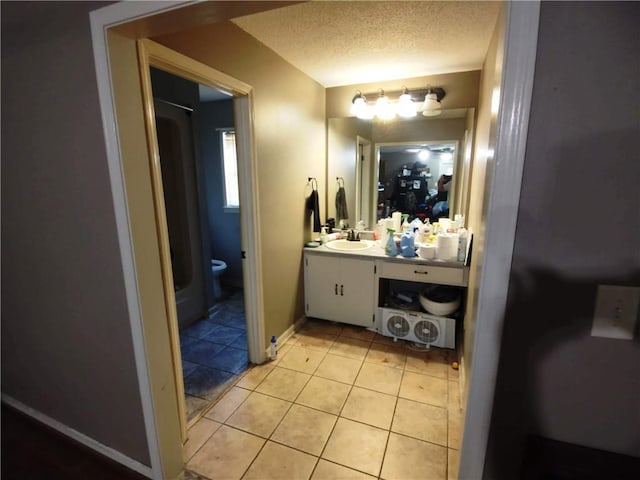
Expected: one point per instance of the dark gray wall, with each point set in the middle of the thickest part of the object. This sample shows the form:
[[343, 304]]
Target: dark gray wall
[[66, 341], [578, 226], [224, 227]]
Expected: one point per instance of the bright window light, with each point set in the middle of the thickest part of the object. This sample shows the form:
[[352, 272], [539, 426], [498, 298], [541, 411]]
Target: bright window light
[[230, 169]]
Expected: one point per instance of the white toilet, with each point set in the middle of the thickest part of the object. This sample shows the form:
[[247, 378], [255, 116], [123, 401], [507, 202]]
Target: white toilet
[[217, 267]]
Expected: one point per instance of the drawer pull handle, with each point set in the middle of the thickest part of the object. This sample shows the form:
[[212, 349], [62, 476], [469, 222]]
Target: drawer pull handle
[[336, 290], [418, 272], [342, 290]]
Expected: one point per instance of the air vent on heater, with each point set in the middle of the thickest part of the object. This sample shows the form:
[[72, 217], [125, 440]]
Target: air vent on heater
[[398, 326], [426, 331]]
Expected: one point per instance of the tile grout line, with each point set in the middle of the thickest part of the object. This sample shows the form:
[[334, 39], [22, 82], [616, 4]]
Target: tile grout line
[[339, 416]]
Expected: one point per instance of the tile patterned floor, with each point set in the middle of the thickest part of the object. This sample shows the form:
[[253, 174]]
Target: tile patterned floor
[[214, 354], [338, 403]]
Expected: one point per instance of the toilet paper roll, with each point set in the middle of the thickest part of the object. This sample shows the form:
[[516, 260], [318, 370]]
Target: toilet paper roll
[[447, 246], [427, 251]]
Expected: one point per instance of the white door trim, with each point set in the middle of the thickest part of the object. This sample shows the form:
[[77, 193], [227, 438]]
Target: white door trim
[[101, 20], [151, 54], [521, 40]]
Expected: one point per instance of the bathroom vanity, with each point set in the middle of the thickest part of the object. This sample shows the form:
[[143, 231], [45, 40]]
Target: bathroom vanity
[[349, 286]]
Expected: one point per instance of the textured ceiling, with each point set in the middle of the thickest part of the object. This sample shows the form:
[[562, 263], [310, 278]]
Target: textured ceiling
[[344, 43]]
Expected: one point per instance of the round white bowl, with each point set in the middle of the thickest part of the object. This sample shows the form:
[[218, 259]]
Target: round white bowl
[[439, 308]]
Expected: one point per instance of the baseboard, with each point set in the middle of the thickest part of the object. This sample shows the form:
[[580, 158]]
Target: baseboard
[[78, 437], [286, 335]]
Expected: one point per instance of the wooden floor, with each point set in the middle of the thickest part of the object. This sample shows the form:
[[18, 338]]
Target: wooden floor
[[31, 450]]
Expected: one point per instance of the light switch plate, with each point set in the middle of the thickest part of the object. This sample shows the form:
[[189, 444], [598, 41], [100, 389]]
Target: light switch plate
[[616, 312]]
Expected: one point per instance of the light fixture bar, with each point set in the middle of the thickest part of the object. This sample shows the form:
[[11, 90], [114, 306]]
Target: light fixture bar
[[408, 103]]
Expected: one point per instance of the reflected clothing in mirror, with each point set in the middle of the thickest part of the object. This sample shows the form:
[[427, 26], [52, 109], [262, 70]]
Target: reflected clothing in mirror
[[444, 184], [409, 193]]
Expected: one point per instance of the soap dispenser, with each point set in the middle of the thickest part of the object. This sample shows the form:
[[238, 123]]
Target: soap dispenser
[[323, 235]]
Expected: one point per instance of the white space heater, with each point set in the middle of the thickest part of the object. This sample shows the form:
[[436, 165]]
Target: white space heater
[[418, 327]]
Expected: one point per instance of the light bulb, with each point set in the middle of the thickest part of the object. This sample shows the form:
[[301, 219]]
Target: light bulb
[[384, 109], [406, 106], [424, 155], [431, 107], [360, 108]]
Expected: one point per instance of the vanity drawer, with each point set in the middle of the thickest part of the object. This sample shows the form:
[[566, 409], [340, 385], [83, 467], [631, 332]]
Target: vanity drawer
[[423, 273]]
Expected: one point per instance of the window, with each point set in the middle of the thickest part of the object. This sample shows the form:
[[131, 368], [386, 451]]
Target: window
[[230, 169]]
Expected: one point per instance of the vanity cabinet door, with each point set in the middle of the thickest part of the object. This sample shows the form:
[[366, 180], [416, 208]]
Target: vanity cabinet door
[[340, 289]]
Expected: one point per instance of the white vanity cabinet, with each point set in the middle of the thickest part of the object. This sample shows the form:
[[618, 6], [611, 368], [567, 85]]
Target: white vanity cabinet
[[340, 288]]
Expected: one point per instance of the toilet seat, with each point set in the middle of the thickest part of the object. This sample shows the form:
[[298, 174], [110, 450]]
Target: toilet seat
[[218, 266]]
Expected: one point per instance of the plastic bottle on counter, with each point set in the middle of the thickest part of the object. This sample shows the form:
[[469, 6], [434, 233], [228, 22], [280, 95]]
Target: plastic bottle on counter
[[391, 249], [273, 348], [323, 235], [426, 231], [462, 244], [406, 226], [407, 246]]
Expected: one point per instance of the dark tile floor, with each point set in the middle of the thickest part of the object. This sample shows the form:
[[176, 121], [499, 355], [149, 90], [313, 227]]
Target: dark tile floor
[[214, 353]]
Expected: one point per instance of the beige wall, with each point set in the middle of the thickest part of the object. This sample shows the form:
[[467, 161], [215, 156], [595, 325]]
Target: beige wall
[[290, 142], [67, 350]]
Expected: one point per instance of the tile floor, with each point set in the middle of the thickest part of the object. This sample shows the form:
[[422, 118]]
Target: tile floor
[[339, 403], [214, 353]]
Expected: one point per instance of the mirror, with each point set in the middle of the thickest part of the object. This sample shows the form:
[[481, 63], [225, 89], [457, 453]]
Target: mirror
[[379, 165]]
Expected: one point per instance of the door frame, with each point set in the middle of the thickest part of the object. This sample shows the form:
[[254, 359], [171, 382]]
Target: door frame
[[521, 38], [152, 54]]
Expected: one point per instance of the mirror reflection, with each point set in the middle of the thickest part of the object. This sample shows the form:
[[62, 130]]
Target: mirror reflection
[[415, 179], [418, 166]]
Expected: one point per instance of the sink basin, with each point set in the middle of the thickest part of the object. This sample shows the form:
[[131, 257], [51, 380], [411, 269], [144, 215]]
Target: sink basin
[[346, 245]]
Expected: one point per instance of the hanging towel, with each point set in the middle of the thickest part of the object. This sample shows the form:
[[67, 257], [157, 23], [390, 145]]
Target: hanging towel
[[341, 204], [313, 204]]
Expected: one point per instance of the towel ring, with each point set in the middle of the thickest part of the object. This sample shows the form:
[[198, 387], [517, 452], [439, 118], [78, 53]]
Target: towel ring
[[313, 181]]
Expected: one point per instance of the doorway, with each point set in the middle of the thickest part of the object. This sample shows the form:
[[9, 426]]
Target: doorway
[[250, 326], [197, 148]]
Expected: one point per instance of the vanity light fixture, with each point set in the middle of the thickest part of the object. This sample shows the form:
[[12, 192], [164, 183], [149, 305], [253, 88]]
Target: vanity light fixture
[[432, 106], [405, 106]]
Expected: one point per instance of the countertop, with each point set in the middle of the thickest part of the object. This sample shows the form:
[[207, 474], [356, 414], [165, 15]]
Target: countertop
[[377, 252]]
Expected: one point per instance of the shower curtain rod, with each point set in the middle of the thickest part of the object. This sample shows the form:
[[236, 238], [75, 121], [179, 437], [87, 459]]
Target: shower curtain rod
[[183, 107]]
